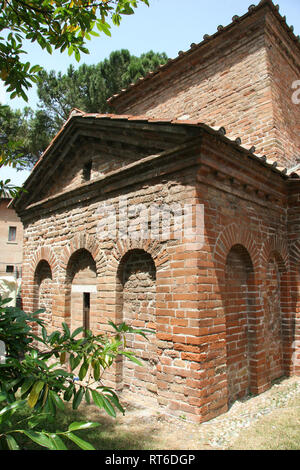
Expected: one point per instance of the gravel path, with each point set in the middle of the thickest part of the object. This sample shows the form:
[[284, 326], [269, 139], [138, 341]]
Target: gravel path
[[220, 432]]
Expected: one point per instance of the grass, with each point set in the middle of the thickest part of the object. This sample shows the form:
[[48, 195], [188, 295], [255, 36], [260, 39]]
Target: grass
[[108, 436], [280, 430]]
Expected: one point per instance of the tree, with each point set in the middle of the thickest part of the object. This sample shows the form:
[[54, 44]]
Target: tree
[[89, 87], [58, 24], [68, 368], [28, 132]]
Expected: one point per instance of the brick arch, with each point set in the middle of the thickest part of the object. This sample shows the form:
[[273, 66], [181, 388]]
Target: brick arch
[[89, 243], [136, 289], [294, 254], [122, 249], [79, 244], [158, 253], [277, 304], [277, 246], [231, 236], [293, 352], [44, 253], [238, 239]]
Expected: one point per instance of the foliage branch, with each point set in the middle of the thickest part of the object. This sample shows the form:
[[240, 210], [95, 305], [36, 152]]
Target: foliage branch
[[44, 371]]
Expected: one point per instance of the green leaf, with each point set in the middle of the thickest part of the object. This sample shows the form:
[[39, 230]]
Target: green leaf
[[3, 396], [12, 407], [68, 393], [77, 398], [12, 443], [80, 442], [87, 396], [96, 369], [57, 442], [98, 400], [44, 333], [83, 370], [57, 400], [49, 48], [37, 419], [131, 358], [115, 400], [108, 407], [77, 55], [76, 332], [66, 329], [74, 361], [34, 394], [40, 438], [36, 68], [82, 425], [26, 385]]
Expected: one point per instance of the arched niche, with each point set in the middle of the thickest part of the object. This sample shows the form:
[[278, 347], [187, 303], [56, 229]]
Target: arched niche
[[136, 306], [43, 290], [81, 290], [239, 313]]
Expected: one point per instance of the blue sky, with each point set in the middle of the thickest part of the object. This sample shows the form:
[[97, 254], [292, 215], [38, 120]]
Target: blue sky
[[166, 26]]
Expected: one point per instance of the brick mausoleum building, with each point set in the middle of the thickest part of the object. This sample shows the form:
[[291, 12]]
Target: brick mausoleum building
[[210, 142]]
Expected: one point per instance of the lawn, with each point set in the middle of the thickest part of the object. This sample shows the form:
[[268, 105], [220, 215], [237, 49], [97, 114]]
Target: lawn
[[142, 430], [280, 430]]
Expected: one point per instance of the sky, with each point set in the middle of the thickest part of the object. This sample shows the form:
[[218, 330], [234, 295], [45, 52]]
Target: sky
[[166, 26]]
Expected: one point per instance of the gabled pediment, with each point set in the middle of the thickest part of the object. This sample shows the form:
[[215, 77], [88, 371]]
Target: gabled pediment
[[90, 146]]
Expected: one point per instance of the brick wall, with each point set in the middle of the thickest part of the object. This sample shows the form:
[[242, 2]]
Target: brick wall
[[137, 276], [206, 303], [42, 291], [238, 280], [273, 325], [240, 79], [284, 70]]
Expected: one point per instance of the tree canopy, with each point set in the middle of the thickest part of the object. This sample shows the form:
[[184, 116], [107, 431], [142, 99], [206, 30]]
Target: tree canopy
[[65, 25], [88, 87], [58, 24]]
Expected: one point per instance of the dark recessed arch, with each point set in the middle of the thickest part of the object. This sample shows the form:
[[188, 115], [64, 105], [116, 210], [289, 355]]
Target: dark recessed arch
[[136, 306]]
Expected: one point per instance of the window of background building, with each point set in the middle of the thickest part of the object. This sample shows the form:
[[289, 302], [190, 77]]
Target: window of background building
[[12, 234], [9, 269]]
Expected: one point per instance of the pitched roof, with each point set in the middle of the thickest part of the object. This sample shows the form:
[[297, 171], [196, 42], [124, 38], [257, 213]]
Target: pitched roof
[[221, 29], [77, 113]]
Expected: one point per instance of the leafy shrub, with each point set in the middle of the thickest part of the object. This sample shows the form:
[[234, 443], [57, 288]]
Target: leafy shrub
[[43, 372]]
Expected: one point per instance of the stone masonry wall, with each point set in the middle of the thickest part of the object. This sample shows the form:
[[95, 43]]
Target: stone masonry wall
[[194, 364]]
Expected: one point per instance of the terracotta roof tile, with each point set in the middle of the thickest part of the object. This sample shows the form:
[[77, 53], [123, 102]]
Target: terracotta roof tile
[[220, 131]]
